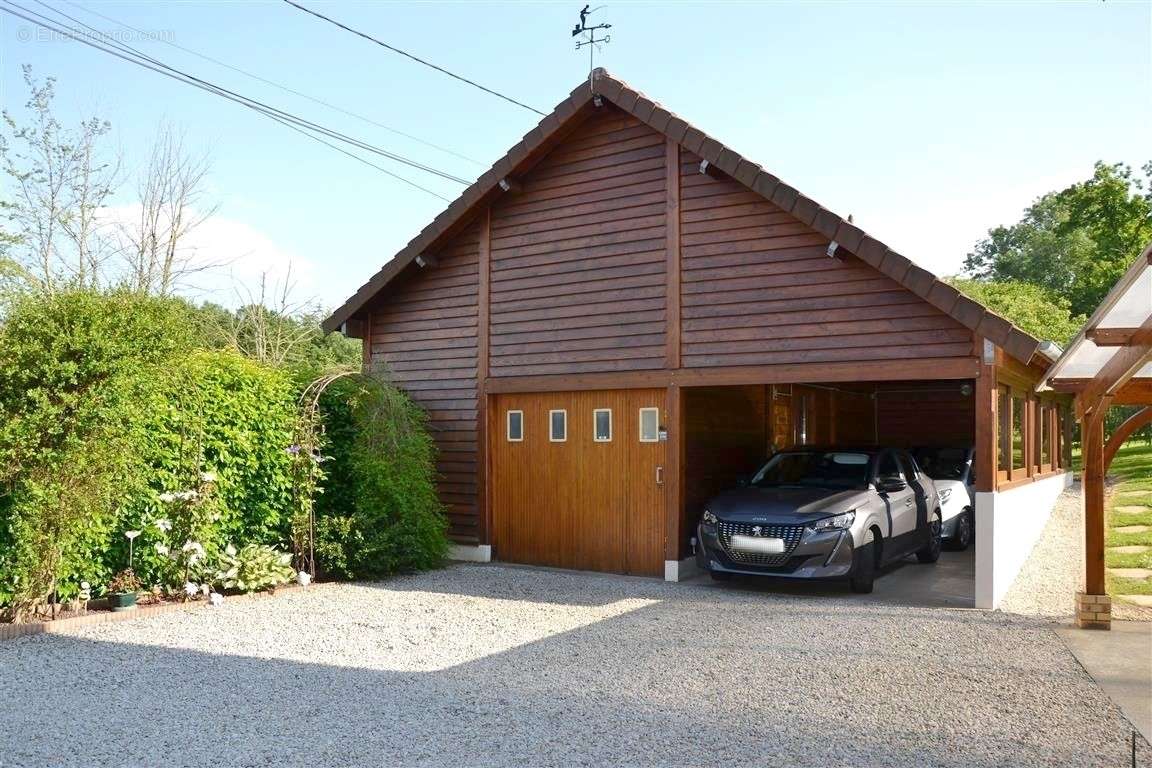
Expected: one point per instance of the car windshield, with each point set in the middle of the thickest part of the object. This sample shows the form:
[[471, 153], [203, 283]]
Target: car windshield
[[942, 463], [818, 469]]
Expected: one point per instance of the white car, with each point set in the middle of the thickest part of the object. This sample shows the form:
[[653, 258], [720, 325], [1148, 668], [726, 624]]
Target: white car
[[951, 469]]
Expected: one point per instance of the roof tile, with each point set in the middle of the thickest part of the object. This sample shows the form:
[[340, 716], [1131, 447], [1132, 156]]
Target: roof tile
[[942, 296], [871, 251], [785, 196], [894, 265], [608, 87], [765, 185], [693, 139], [849, 235], [728, 161], [659, 119], [710, 150], [746, 172], [1020, 345], [644, 108], [994, 328], [919, 281], [805, 209], [968, 312], [676, 129], [627, 100], [825, 223]]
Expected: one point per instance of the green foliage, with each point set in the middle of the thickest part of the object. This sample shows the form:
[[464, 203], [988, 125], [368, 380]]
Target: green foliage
[[379, 513], [76, 370], [254, 567], [1033, 308], [1074, 243]]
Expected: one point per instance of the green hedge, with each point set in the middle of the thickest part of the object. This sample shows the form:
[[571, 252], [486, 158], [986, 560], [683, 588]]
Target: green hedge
[[106, 404]]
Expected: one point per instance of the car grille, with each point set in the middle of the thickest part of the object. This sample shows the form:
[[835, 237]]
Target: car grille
[[789, 533]]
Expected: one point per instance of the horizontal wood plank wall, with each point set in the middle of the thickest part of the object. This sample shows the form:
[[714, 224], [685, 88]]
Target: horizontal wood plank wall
[[424, 330], [939, 415], [578, 256], [758, 288]]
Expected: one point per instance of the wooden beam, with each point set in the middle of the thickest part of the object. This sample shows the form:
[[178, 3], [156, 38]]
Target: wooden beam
[[483, 335], [793, 373], [672, 262], [1093, 489], [1141, 418], [1125, 362], [1112, 337], [674, 473], [986, 421], [1134, 392]]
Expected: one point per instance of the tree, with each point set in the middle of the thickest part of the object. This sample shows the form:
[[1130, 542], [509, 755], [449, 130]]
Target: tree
[[171, 191], [1033, 308], [1075, 243], [60, 181]]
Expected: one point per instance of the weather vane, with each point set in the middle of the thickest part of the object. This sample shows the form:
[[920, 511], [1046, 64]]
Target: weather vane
[[590, 40]]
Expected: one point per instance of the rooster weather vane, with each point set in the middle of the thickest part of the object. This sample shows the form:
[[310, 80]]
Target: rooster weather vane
[[590, 39]]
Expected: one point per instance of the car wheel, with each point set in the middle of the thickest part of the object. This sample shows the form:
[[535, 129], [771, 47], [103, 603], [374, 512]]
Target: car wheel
[[930, 552], [720, 575], [863, 568], [962, 538]]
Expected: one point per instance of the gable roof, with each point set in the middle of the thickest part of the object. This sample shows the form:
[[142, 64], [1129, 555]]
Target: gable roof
[[569, 113]]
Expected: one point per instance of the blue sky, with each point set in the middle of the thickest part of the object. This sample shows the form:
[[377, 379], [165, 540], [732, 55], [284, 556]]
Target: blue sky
[[929, 122]]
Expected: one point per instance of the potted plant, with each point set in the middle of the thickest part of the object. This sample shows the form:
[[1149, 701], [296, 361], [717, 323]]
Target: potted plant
[[122, 590]]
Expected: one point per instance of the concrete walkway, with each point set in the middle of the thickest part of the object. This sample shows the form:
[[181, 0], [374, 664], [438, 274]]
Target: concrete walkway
[[1120, 661]]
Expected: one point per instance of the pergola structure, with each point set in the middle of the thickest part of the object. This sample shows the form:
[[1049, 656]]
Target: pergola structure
[[1108, 363]]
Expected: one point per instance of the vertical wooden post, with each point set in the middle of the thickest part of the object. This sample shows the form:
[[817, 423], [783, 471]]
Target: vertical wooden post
[[674, 473], [483, 312], [1093, 489], [367, 345], [986, 419], [672, 261]]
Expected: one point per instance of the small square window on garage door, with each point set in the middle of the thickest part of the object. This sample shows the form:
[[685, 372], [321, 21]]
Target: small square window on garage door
[[558, 426], [649, 425], [602, 425]]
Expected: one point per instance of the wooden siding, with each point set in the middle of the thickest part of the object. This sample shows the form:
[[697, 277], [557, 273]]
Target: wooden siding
[[578, 256], [758, 288], [424, 334], [938, 415]]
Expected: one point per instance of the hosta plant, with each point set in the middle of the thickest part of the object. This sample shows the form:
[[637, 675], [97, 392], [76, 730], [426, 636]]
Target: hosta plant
[[254, 567]]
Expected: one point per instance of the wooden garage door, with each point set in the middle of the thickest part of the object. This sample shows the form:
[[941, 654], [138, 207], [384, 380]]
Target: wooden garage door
[[581, 502]]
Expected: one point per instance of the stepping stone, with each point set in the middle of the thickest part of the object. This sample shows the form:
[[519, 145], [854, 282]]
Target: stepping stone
[[1142, 600], [1130, 573], [1133, 510], [1130, 549], [1133, 529]]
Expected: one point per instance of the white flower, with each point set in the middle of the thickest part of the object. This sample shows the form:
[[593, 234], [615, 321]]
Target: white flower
[[85, 585], [191, 588], [188, 495], [131, 534], [216, 599], [161, 549], [167, 497], [230, 551], [303, 578], [163, 525], [207, 477], [205, 589], [285, 558]]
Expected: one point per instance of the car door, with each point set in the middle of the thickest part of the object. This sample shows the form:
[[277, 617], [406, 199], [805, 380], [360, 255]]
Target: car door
[[921, 487], [901, 504]]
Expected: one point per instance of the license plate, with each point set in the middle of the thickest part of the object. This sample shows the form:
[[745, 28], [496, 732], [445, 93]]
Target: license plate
[[757, 544]]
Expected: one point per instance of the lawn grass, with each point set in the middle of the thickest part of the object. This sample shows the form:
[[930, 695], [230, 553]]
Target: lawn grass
[[1131, 470]]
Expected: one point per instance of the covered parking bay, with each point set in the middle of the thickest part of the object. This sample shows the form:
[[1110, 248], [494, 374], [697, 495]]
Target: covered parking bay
[[729, 431]]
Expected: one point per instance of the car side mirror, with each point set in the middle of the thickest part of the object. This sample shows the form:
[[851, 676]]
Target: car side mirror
[[890, 484]]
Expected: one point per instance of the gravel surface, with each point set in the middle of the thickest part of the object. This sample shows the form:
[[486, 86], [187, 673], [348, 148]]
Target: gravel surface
[[1052, 575], [505, 666]]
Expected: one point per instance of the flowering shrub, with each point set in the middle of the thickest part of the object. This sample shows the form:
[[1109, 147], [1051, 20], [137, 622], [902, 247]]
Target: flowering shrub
[[254, 567]]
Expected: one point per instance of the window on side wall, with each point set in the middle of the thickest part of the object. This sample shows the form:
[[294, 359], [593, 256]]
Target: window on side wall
[[602, 425], [1004, 432], [515, 426], [649, 425]]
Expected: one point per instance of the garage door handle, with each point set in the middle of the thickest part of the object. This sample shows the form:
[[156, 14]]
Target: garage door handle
[[659, 475]]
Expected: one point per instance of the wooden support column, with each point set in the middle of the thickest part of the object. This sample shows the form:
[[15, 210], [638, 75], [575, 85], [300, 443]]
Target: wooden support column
[[672, 250], [674, 472], [986, 417], [367, 345], [1093, 489], [483, 311]]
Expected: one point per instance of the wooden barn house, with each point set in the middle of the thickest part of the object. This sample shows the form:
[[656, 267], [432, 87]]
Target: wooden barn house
[[623, 314]]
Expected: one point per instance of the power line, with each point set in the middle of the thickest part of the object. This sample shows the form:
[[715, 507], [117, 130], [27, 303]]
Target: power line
[[133, 56], [417, 59], [275, 84]]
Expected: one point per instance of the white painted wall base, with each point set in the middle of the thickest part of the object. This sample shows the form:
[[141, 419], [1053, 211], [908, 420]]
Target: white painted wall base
[[679, 570], [479, 553], [1008, 525]]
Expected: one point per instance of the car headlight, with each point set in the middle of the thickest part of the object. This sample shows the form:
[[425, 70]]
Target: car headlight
[[708, 518], [944, 494], [836, 522]]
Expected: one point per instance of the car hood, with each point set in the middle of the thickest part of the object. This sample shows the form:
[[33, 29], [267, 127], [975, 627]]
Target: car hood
[[784, 505]]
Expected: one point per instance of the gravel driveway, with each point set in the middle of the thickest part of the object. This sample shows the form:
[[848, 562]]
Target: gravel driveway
[[506, 666]]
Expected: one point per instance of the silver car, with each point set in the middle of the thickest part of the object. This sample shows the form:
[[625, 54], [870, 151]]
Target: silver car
[[820, 513]]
